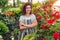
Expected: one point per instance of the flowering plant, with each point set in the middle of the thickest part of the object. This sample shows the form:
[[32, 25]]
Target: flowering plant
[[48, 21]]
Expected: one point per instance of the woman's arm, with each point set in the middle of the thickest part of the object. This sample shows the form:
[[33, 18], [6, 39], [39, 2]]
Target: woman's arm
[[33, 24], [21, 25]]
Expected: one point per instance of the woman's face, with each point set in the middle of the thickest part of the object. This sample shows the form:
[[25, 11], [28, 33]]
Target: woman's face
[[28, 9]]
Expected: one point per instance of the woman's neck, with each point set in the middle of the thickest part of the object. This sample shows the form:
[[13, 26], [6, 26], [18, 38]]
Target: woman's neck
[[27, 15]]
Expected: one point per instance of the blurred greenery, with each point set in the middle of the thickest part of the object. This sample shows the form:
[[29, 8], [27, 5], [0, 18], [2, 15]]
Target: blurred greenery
[[16, 10], [3, 3], [30, 36], [3, 28]]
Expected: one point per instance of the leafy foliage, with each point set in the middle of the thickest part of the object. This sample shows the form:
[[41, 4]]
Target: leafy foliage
[[30, 36], [3, 3], [3, 28]]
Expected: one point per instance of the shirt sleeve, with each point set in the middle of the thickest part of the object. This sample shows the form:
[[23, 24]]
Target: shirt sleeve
[[21, 18], [33, 17]]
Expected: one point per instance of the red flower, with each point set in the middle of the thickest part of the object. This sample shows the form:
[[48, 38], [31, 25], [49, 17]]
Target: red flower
[[50, 21], [56, 14], [56, 35], [59, 36], [44, 39], [51, 3], [39, 17], [44, 6], [45, 27]]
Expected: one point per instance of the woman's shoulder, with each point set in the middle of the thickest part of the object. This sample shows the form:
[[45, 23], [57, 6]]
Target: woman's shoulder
[[32, 15]]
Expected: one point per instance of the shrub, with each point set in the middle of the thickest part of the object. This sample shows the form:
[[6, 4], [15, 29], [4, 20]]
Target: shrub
[[3, 28]]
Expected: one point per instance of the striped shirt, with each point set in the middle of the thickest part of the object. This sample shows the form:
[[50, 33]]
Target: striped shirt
[[26, 21]]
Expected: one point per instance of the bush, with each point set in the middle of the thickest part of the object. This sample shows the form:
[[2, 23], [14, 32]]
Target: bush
[[3, 28], [48, 22], [16, 10], [30, 36]]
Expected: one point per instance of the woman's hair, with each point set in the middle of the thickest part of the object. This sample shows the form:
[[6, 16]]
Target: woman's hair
[[24, 8]]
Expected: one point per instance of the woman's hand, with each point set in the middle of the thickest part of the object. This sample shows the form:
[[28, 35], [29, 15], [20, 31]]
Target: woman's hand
[[22, 25], [34, 23], [30, 26], [27, 25]]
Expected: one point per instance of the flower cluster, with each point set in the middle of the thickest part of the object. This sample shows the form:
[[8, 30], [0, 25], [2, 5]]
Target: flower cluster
[[45, 26], [56, 35], [9, 13], [49, 28]]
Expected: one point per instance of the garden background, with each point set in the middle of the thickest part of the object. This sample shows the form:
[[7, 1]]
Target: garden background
[[47, 13]]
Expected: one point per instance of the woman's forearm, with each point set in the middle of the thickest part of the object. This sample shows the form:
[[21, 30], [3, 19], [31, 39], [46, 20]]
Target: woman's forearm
[[22, 27], [31, 25], [28, 26]]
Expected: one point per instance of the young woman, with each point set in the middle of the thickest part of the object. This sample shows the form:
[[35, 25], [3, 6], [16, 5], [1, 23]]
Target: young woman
[[27, 21]]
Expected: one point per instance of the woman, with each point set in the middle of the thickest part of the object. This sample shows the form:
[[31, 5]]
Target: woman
[[27, 20]]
